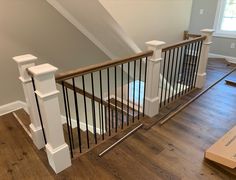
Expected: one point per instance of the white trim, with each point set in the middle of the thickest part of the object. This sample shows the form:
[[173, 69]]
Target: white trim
[[81, 28], [82, 125], [227, 58], [219, 35], [8, 108], [23, 126]]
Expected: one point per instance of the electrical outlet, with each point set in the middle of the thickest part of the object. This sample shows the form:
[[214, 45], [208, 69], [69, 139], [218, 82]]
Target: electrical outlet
[[232, 46], [201, 11]]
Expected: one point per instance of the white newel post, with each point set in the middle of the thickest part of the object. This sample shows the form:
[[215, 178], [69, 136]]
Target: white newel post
[[57, 150], [152, 99], [201, 74], [24, 62]]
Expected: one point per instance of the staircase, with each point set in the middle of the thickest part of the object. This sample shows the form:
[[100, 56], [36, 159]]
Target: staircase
[[97, 102]]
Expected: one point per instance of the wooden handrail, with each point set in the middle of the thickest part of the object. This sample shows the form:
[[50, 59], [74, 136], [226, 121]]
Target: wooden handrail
[[187, 35], [182, 43], [97, 67]]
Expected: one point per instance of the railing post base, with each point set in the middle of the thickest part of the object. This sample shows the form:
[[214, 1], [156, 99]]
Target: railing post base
[[201, 79], [152, 106], [59, 158], [37, 136]]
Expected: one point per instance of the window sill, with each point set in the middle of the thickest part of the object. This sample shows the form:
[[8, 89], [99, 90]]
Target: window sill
[[228, 36]]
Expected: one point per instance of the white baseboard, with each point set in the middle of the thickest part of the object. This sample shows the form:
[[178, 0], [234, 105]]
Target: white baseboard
[[8, 108], [227, 58], [82, 125]]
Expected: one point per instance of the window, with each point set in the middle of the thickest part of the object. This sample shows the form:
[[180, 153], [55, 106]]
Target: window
[[225, 23]]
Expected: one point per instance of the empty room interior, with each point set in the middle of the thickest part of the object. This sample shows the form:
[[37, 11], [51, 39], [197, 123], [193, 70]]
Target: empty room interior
[[118, 89]]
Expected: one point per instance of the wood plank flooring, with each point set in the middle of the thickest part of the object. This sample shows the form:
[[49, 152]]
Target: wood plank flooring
[[172, 151]]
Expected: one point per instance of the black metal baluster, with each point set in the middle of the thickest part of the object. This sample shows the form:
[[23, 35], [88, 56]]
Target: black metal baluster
[[139, 88], [134, 88], [195, 63], [109, 103], [67, 119], [176, 75], [184, 68], [128, 95], [180, 66], [112, 119], [167, 77], [189, 66], [122, 95], [85, 111], [195, 51], [145, 82], [199, 55], [116, 99], [77, 115], [69, 115], [39, 111], [105, 118], [100, 119], [171, 72], [101, 96], [94, 111], [163, 77]]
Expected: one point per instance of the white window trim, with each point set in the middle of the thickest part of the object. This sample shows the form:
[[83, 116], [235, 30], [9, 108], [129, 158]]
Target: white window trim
[[218, 19]]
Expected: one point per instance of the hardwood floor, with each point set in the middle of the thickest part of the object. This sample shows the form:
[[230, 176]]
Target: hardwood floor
[[172, 151]]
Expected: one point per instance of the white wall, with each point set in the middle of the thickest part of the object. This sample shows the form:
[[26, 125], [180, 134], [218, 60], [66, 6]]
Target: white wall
[[146, 20]]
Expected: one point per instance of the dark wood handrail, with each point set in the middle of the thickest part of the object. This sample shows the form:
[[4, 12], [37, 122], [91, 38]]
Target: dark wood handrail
[[97, 67], [182, 43], [187, 35]]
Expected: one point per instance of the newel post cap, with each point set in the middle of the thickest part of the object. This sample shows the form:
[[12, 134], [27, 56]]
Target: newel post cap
[[155, 44], [43, 69], [208, 31], [24, 59]]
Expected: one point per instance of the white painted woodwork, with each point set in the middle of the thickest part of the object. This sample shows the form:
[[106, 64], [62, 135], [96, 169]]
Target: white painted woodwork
[[152, 98], [13, 106], [56, 148], [224, 150], [201, 74], [24, 62]]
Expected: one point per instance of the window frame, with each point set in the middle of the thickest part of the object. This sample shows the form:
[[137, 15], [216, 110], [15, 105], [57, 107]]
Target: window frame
[[218, 21]]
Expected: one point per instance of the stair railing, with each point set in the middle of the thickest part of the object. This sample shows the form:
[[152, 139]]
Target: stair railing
[[92, 103], [92, 100], [92, 95], [188, 35], [184, 66]]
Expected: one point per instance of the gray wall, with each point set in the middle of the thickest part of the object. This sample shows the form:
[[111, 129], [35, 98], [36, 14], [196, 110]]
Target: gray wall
[[33, 26], [206, 20]]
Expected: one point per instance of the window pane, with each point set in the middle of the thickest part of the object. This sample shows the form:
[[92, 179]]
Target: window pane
[[228, 24], [229, 18], [230, 8]]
